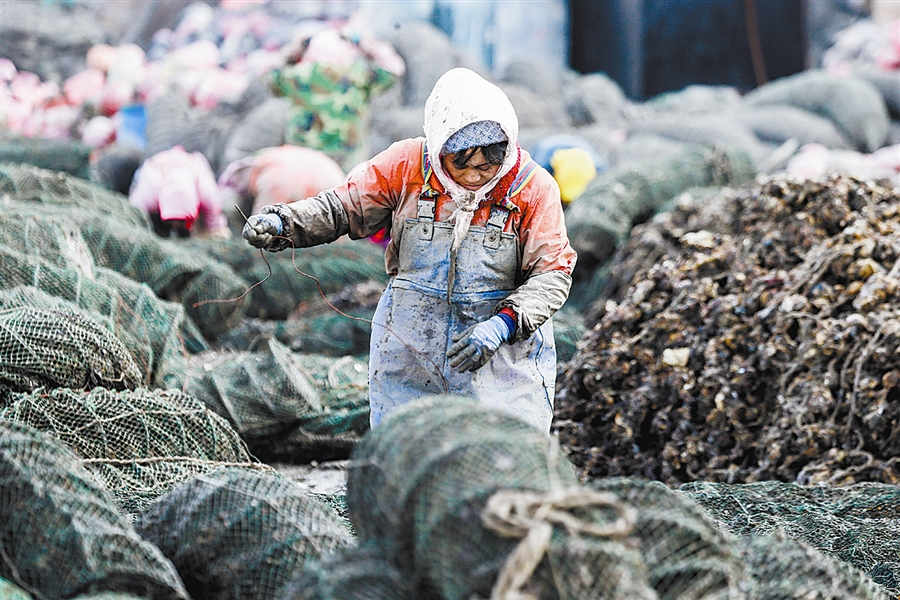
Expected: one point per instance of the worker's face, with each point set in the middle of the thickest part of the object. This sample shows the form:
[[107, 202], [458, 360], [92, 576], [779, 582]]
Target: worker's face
[[474, 174]]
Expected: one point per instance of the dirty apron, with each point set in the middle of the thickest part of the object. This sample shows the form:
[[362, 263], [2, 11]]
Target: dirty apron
[[416, 319]]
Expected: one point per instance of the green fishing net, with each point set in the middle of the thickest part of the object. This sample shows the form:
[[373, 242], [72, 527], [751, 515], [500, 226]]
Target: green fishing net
[[61, 534], [141, 443], [241, 533], [351, 574]]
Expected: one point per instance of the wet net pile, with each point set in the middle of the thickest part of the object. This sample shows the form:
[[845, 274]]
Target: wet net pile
[[858, 524], [241, 534], [61, 348], [27, 183], [338, 324], [287, 406], [760, 343], [465, 502], [61, 534], [140, 443], [67, 236]]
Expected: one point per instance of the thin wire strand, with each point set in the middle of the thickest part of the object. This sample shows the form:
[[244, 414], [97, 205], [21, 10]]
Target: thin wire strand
[[436, 367]]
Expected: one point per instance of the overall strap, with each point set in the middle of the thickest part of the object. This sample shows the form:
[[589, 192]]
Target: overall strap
[[502, 207], [426, 204]]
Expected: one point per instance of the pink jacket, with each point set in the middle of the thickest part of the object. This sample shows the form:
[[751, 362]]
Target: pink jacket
[[181, 186]]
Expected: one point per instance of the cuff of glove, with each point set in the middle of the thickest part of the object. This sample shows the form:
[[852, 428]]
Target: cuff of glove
[[509, 317]]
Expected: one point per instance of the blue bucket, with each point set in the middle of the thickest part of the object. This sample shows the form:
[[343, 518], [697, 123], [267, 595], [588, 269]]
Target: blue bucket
[[131, 126]]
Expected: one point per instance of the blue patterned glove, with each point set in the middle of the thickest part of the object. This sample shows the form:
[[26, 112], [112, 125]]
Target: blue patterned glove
[[476, 345]]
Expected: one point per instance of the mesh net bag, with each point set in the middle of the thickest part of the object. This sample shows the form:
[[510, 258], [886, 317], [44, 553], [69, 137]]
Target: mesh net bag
[[61, 348], [263, 393], [30, 229], [69, 157], [26, 183], [241, 533], [141, 443], [132, 306], [283, 283], [61, 534], [351, 574], [67, 236], [857, 524], [337, 325], [418, 483], [285, 405], [26, 296], [784, 568], [682, 552]]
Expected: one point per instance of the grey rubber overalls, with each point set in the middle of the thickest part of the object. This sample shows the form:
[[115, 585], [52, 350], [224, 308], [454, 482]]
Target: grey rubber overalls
[[417, 318]]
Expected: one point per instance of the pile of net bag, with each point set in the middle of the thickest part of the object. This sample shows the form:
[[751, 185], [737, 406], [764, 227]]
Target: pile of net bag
[[858, 524], [67, 236], [61, 348], [285, 405], [131, 306], [467, 502], [292, 277], [62, 535], [140, 443], [28, 183], [242, 534]]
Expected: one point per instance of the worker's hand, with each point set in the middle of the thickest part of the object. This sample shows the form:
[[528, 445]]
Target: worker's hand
[[476, 345], [259, 229]]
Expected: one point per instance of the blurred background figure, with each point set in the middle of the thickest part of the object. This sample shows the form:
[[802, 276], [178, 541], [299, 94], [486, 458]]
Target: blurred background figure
[[571, 160], [329, 76], [178, 190], [283, 174]]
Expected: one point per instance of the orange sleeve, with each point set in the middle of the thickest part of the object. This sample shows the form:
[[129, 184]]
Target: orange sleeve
[[542, 228], [381, 187]]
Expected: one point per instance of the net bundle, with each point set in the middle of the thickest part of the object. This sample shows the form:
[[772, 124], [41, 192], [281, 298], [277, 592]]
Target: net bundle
[[858, 524], [360, 573], [23, 296], [131, 306], [262, 393], [418, 483], [285, 405], [27, 183], [290, 278], [61, 348], [785, 568], [336, 325], [241, 533], [140, 443], [60, 532], [207, 288]]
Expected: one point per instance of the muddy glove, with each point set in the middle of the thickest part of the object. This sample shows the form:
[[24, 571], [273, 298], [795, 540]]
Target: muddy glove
[[259, 229], [476, 345]]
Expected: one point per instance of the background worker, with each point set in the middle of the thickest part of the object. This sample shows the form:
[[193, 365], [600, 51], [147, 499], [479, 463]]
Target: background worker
[[478, 254], [571, 160], [329, 77], [178, 189], [282, 174]]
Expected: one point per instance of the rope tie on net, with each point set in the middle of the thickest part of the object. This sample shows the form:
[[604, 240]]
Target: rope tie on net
[[532, 516]]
